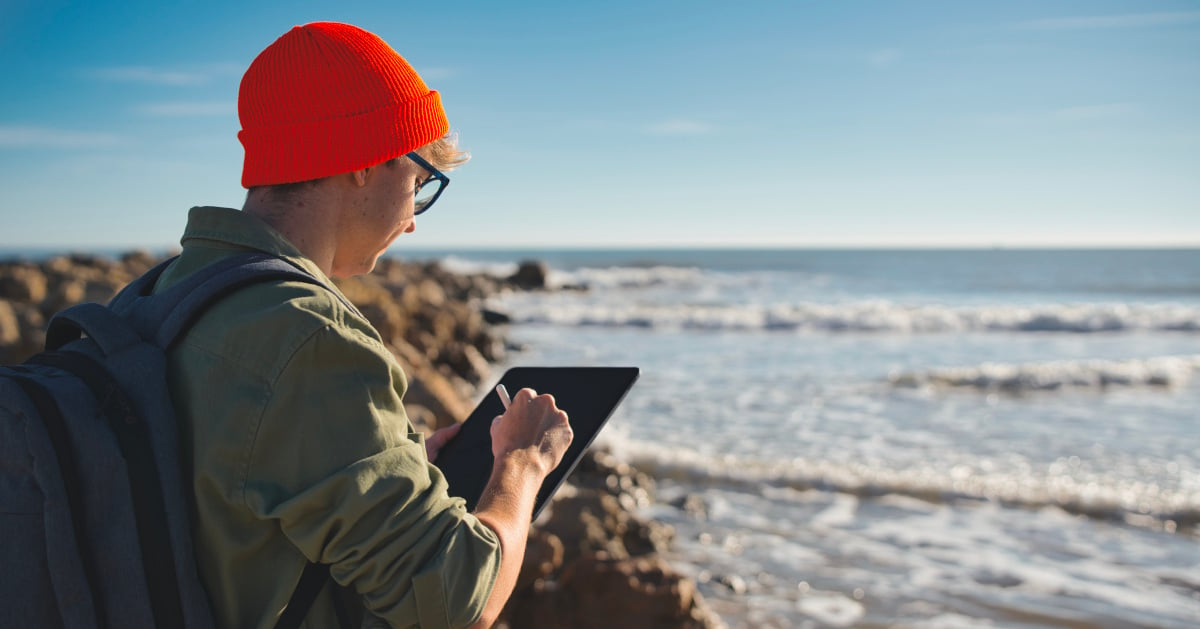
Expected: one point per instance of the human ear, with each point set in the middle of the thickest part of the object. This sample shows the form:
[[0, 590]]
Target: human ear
[[360, 176]]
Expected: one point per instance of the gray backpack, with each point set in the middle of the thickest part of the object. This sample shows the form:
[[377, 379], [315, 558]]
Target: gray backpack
[[94, 507]]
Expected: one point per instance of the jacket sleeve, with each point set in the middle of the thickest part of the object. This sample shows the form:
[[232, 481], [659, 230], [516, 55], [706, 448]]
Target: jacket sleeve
[[335, 462]]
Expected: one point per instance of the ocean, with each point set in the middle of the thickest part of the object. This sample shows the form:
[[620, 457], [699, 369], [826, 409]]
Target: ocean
[[961, 438]]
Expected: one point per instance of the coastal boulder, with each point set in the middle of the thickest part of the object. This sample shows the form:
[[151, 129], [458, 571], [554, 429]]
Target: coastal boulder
[[63, 295], [10, 327], [428, 388], [543, 558], [376, 304], [23, 283], [588, 522], [530, 275], [138, 261], [22, 332], [592, 562], [648, 591], [598, 591]]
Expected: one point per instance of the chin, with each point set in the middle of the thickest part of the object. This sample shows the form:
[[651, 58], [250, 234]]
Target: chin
[[368, 265], [361, 267]]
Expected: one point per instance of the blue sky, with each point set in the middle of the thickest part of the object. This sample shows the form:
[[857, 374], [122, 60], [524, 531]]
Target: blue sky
[[646, 123]]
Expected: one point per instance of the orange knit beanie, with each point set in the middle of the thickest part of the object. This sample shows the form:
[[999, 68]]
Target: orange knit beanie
[[329, 98]]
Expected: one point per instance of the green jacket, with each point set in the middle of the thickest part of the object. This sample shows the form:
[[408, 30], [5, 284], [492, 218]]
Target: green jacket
[[300, 450]]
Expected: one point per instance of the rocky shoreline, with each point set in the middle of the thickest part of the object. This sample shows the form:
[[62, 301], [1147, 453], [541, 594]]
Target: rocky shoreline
[[590, 560]]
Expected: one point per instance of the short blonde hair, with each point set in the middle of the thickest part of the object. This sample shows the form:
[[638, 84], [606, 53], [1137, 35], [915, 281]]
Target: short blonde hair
[[443, 153]]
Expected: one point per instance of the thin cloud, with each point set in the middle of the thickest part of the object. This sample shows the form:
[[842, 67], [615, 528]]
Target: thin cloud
[[162, 76], [884, 59], [438, 73], [25, 137], [185, 109], [1093, 112], [1129, 20], [680, 127], [1063, 115]]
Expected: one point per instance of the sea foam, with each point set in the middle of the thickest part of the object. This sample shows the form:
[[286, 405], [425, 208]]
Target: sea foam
[[1133, 501], [867, 316], [1162, 371]]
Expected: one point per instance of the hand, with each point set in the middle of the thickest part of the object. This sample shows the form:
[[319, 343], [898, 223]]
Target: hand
[[533, 427], [439, 438]]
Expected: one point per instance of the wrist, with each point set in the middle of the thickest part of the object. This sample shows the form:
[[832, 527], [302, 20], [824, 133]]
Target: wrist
[[521, 464], [511, 491]]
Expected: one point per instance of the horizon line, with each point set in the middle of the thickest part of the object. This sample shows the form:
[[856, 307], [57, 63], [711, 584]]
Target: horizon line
[[743, 246]]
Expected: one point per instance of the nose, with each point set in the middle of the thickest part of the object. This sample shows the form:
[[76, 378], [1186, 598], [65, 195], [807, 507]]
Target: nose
[[412, 227]]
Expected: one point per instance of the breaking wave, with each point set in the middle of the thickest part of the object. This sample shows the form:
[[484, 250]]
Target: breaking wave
[[627, 276], [1135, 502], [1163, 371], [590, 277], [871, 316]]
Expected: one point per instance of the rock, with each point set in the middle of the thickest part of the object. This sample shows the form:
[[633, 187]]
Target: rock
[[733, 582], [89, 260], [423, 295], [493, 349], [22, 331], [64, 294], [377, 305], [23, 283], [602, 592], [693, 505], [138, 261], [495, 317], [422, 419], [10, 327], [468, 363], [543, 557], [587, 522], [101, 291], [612, 572], [647, 537], [428, 388], [530, 275], [63, 268], [601, 470], [443, 324]]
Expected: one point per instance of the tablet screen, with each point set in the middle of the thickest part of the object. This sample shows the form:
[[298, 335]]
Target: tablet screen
[[589, 395]]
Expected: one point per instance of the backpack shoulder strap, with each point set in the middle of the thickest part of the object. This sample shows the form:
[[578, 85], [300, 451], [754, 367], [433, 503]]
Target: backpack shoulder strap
[[109, 331], [178, 307], [175, 309], [162, 317]]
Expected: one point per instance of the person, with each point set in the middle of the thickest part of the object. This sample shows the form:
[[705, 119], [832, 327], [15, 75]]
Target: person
[[290, 407]]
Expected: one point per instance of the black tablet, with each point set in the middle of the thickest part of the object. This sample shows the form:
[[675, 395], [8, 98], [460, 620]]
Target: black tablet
[[589, 395]]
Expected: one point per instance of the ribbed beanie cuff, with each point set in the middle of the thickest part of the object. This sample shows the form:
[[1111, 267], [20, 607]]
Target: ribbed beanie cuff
[[329, 98]]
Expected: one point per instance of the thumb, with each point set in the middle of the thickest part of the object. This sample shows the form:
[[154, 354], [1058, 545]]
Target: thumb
[[449, 431], [442, 435]]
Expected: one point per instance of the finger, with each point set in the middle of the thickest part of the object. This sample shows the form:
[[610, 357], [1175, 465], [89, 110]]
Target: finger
[[525, 395], [449, 433], [442, 435]]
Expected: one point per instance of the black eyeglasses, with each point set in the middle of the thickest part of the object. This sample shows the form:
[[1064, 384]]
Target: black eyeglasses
[[429, 190]]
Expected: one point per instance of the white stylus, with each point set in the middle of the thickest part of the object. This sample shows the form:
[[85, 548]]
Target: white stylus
[[503, 393]]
